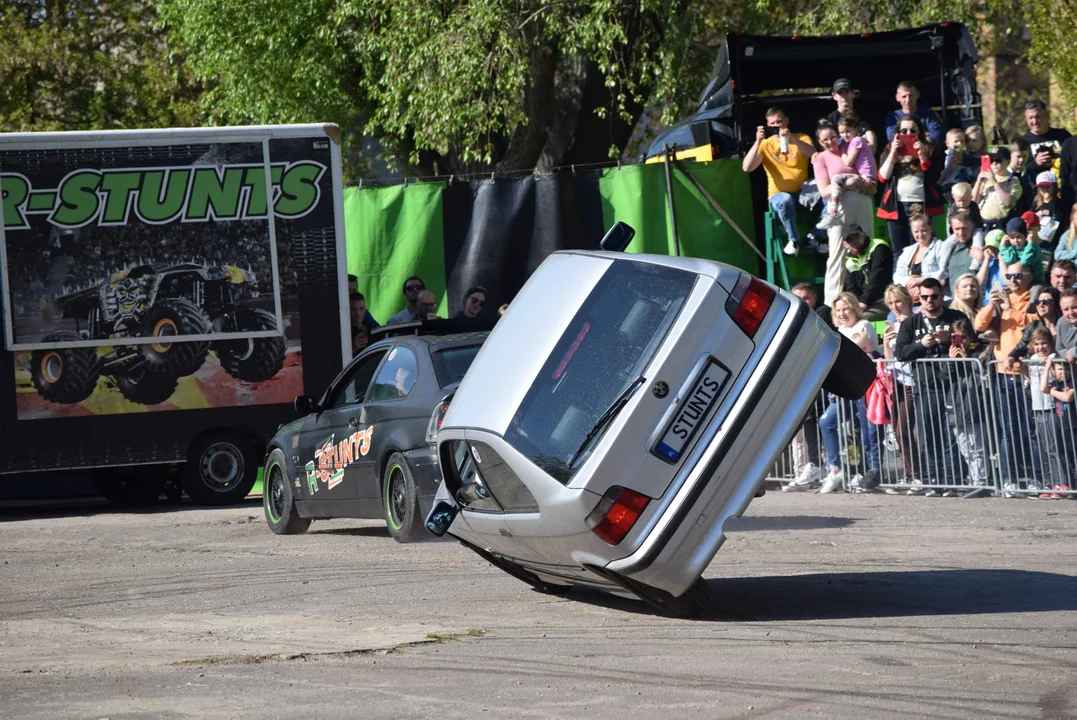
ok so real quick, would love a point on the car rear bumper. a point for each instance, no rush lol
(735, 464)
(423, 463)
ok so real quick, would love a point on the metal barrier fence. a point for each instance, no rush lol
(945, 427)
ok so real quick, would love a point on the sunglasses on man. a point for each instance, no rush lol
(475, 300)
(1014, 276)
(415, 288)
(932, 296)
(1044, 301)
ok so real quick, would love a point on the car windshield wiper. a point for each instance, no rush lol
(605, 417)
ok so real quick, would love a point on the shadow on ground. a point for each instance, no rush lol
(842, 596)
(785, 522)
(20, 510)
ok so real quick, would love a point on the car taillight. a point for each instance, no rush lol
(616, 513)
(436, 418)
(749, 303)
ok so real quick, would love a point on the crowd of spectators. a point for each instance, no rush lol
(995, 290)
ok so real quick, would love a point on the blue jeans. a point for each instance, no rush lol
(869, 433)
(1017, 436)
(784, 206)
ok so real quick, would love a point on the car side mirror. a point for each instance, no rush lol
(441, 517)
(617, 237)
(470, 493)
(305, 404)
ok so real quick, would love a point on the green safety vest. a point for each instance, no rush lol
(856, 264)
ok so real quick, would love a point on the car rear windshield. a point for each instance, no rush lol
(606, 347)
(451, 364)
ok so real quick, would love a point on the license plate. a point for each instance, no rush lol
(694, 409)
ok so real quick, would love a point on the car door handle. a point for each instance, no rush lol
(353, 422)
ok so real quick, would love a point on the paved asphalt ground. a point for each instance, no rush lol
(824, 607)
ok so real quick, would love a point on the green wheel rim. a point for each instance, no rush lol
(274, 493)
(396, 494)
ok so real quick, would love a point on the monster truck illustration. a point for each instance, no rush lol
(141, 301)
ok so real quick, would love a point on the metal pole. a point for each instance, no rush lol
(672, 209)
(719, 209)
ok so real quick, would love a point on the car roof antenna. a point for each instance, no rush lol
(617, 237)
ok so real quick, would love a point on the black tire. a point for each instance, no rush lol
(853, 372)
(400, 501)
(67, 375)
(171, 317)
(130, 487)
(278, 500)
(221, 468)
(522, 574)
(146, 388)
(253, 359)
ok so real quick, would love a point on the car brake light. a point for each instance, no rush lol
(436, 418)
(616, 513)
(749, 303)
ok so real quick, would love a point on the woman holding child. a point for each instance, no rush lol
(840, 176)
(911, 182)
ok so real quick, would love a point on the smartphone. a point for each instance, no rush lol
(996, 286)
(908, 144)
(770, 131)
(957, 338)
(985, 163)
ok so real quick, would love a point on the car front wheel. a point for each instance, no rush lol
(400, 501)
(277, 499)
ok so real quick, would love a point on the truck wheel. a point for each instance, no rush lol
(129, 487)
(401, 502)
(146, 388)
(852, 374)
(221, 468)
(171, 317)
(277, 499)
(64, 375)
(252, 359)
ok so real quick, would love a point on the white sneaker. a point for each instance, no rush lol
(808, 475)
(791, 248)
(812, 245)
(832, 483)
(830, 221)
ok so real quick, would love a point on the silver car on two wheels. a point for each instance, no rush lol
(623, 408)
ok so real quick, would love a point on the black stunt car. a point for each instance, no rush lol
(366, 448)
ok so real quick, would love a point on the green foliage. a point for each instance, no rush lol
(74, 65)
(447, 78)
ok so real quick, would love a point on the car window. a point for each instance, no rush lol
(464, 464)
(352, 389)
(451, 364)
(605, 348)
(397, 375)
(503, 484)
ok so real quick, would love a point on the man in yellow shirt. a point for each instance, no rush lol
(785, 158)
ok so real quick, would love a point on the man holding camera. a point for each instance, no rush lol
(1045, 142)
(1008, 314)
(923, 336)
(785, 158)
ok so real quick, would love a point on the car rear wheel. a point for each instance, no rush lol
(400, 501)
(221, 468)
(278, 500)
(852, 374)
